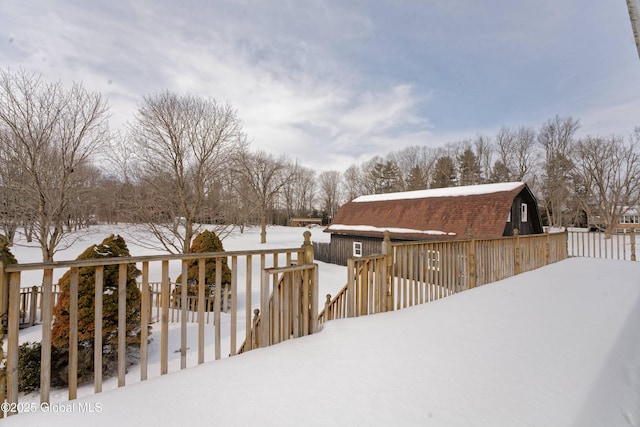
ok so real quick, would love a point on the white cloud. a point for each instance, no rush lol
(333, 83)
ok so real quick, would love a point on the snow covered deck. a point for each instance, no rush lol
(555, 346)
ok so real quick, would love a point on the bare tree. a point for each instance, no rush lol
(556, 140)
(49, 134)
(10, 200)
(353, 182)
(330, 191)
(484, 152)
(263, 177)
(523, 153)
(299, 193)
(505, 144)
(609, 168)
(181, 144)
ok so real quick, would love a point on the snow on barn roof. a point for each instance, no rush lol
(467, 190)
(480, 211)
(394, 230)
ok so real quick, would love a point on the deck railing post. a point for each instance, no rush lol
(387, 250)
(4, 313)
(312, 277)
(633, 244)
(351, 288)
(327, 309)
(472, 264)
(307, 248)
(4, 293)
(13, 323)
(516, 234)
(547, 248)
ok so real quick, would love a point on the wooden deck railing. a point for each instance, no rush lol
(291, 309)
(411, 273)
(31, 303)
(242, 265)
(334, 308)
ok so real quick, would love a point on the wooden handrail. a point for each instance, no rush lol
(268, 259)
(285, 328)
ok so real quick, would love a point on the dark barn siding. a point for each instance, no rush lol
(533, 224)
(342, 247)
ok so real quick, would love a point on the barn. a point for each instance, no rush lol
(477, 211)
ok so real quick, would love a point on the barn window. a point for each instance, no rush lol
(509, 217)
(357, 249)
(523, 212)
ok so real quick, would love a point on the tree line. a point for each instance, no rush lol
(184, 161)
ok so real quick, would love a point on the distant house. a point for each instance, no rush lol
(478, 211)
(304, 222)
(629, 222)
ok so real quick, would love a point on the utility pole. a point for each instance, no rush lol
(633, 6)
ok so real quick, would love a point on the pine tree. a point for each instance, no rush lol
(112, 246)
(207, 241)
(444, 173)
(416, 179)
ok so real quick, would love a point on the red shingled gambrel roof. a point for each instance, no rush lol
(478, 211)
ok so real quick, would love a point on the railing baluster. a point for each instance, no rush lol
(97, 337)
(73, 334)
(13, 324)
(145, 311)
(216, 307)
(164, 323)
(234, 305)
(122, 323)
(201, 301)
(248, 342)
(47, 318)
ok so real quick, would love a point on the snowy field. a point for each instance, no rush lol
(553, 347)
(137, 241)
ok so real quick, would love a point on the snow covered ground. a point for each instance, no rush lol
(553, 347)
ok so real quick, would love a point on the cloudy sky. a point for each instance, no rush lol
(334, 82)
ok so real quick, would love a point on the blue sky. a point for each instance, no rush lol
(333, 83)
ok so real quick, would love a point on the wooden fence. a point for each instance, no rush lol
(410, 273)
(31, 304)
(298, 261)
(600, 245)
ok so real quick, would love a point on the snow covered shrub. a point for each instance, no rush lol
(29, 367)
(112, 246)
(207, 241)
(6, 257)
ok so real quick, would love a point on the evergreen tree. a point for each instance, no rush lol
(112, 246)
(416, 179)
(6, 257)
(444, 173)
(469, 168)
(207, 241)
(500, 172)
